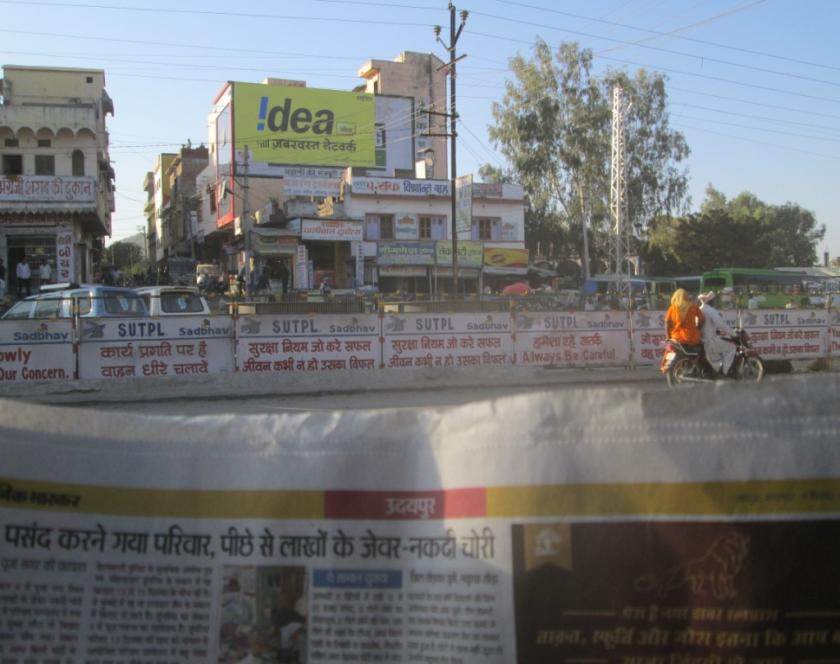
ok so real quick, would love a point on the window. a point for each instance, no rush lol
(44, 164)
(12, 164)
(432, 228)
(78, 163)
(487, 228)
(379, 226)
(44, 143)
(88, 79)
(48, 308)
(181, 303)
(12, 142)
(386, 227)
(123, 304)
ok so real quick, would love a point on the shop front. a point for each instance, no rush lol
(275, 251)
(405, 267)
(329, 251)
(470, 261)
(53, 243)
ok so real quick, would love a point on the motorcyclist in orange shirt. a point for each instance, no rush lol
(684, 319)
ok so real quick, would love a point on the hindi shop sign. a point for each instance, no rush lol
(470, 253)
(47, 189)
(588, 339)
(304, 126)
(36, 350)
(397, 187)
(451, 341)
(405, 253)
(834, 334)
(165, 346)
(331, 230)
(307, 344)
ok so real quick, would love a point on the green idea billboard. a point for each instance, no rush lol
(305, 126)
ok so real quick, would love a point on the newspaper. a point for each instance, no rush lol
(596, 526)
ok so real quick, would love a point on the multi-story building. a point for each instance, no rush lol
(56, 184)
(157, 186)
(180, 214)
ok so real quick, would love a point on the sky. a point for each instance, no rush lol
(754, 85)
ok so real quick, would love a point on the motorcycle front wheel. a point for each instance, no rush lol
(751, 369)
(681, 371)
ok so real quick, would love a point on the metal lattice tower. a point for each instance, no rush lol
(620, 234)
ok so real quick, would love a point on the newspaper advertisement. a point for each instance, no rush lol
(525, 529)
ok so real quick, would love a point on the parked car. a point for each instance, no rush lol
(173, 301)
(93, 301)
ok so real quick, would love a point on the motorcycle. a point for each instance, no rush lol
(688, 364)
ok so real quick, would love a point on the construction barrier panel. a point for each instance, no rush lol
(59, 349)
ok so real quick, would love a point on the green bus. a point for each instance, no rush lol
(772, 289)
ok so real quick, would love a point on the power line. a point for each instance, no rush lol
(208, 12)
(705, 42)
(700, 58)
(755, 117)
(754, 128)
(752, 140)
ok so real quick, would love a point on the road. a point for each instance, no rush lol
(440, 398)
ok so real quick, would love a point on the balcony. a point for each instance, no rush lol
(74, 118)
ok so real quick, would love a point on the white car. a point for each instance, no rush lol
(173, 301)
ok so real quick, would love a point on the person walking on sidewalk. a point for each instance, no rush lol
(24, 278)
(44, 273)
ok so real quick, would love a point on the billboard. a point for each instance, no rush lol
(304, 126)
(463, 206)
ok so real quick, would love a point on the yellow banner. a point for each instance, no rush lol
(304, 126)
(505, 257)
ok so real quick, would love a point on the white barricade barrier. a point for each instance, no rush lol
(578, 339)
(648, 336)
(308, 343)
(36, 350)
(166, 346)
(784, 334)
(447, 340)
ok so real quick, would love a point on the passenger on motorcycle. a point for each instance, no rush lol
(684, 319)
(719, 352)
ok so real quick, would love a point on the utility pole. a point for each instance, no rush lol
(621, 232)
(454, 34)
(246, 219)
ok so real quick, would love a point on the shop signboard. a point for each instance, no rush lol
(470, 253)
(590, 339)
(403, 271)
(463, 206)
(413, 341)
(304, 126)
(407, 227)
(406, 253)
(310, 181)
(358, 250)
(834, 334)
(382, 186)
(308, 344)
(269, 242)
(302, 280)
(331, 230)
(502, 257)
(64, 252)
(36, 350)
(163, 346)
(47, 189)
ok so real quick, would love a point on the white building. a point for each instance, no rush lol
(56, 184)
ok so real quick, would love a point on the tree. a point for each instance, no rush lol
(554, 129)
(741, 232)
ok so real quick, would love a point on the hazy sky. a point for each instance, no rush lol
(754, 84)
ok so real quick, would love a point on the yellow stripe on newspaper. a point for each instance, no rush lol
(758, 498)
(122, 501)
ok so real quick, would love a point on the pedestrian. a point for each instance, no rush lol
(283, 273)
(45, 273)
(24, 278)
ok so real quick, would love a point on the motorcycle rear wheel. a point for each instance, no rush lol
(751, 369)
(682, 369)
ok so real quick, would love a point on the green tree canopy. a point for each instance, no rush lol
(741, 232)
(553, 126)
